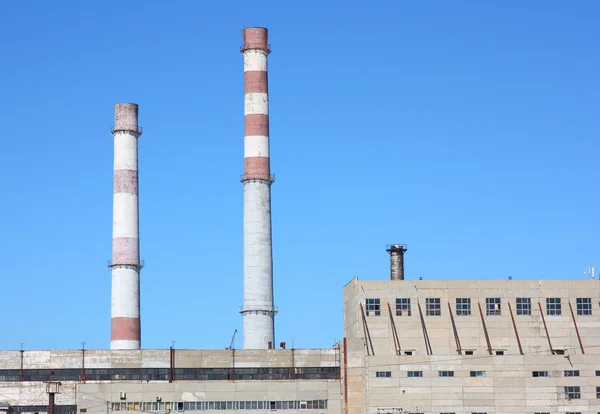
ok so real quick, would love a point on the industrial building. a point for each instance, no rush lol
(409, 346)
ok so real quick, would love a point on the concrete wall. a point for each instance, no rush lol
(508, 385)
(94, 395)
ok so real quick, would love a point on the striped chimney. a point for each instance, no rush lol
(125, 263)
(258, 310)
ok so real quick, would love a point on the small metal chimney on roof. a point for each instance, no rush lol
(396, 252)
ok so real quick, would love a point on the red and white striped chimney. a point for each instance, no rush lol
(258, 310)
(125, 263)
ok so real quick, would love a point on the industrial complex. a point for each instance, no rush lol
(409, 346)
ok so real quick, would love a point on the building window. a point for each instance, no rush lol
(499, 352)
(477, 373)
(597, 392)
(478, 413)
(584, 306)
(463, 306)
(493, 306)
(598, 373)
(415, 374)
(446, 373)
(403, 307)
(408, 353)
(524, 306)
(571, 373)
(469, 352)
(573, 393)
(383, 374)
(373, 307)
(553, 306)
(541, 413)
(433, 307)
(539, 373)
(207, 406)
(558, 352)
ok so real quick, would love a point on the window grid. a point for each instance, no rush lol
(572, 373)
(446, 373)
(373, 307)
(162, 374)
(553, 307)
(219, 405)
(477, 374)
(415, 374)
(383, 374)
(584, 306)
(463, 306)
(493, 306)
(403, 307)
(433, 307)
(573, 393)
(524, 306)
(539, 373)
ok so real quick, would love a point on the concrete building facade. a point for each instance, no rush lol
(478, 346)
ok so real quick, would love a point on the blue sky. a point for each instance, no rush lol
(466, 129)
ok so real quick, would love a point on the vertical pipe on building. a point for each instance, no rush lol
(546, 329)
(485, 331)
(576, 328)
(21, 367)
(258, 309)
(512, 317)
(455, 330)
(345, 376)
(125, 263)
(396, 252)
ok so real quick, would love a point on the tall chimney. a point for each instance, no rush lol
(396, 252)
(258, 310)
(125, 263)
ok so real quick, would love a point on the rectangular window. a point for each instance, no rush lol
(383, 374)
(499, 352)
(433, 307)
(373, 307)
(598, 373)
(571, 373)
(469, 352)
(463, 306)
(493, 306)
(539, 373)
(477, 373)
(415, 374)
(541, 413)
(553, 307)
(584, 306)
(403, 307)
(446, 373)
(408, 353)
(597, 392)
(573, 393)
(558, 352)
(524, 306)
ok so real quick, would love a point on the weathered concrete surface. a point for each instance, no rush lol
(508, 385)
